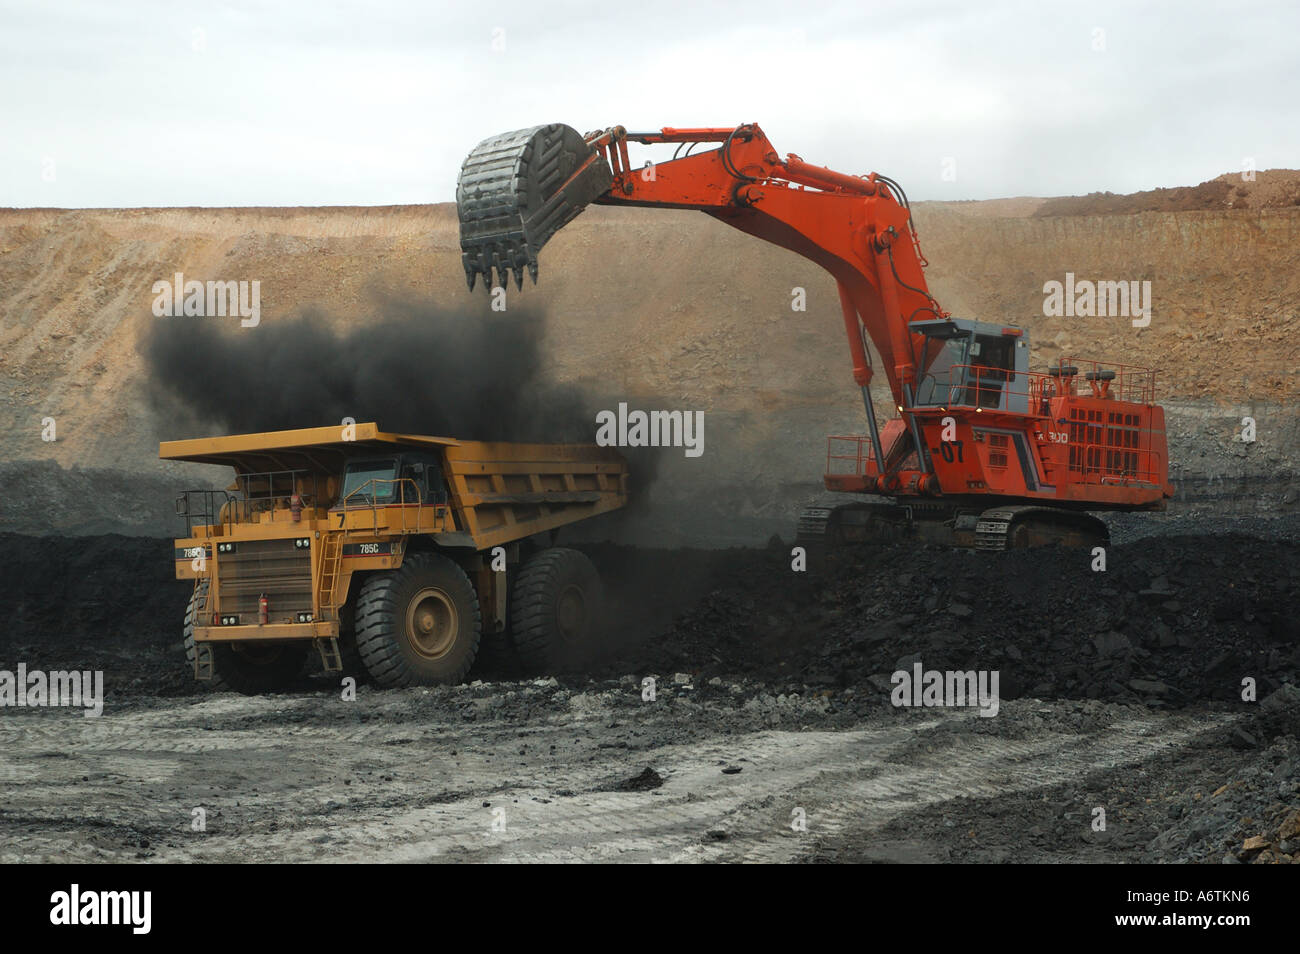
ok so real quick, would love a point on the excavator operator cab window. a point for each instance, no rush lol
(991, 366)
(964, 366)
(935, 383)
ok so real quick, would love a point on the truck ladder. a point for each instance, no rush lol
(327, 599)
(330, 564)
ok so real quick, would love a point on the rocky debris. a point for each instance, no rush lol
(105, 588)
(644, 782)
(1173, 621)
(1252, 818)
(1201, 800)
(1286, 699)
(108, 603)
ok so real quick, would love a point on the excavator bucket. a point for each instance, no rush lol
(518, 189)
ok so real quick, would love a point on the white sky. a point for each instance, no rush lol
(178, 103)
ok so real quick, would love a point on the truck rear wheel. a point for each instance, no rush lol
(249, 667)
(555, 608)
(418, 625)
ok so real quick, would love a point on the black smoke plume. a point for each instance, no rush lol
(416, 368)
(413, 368)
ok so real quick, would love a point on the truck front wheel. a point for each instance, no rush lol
(248, 667)
(418, 625)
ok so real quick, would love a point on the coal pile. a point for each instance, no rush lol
(1172, 621)
(104, 602)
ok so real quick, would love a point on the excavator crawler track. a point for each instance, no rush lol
(994, 530)
(1008, 528)
(859, 523)
(518, 189)
(813, 523)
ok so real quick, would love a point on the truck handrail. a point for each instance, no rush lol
(374, 502)
(206, 511)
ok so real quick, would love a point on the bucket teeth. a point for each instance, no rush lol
(518, 189)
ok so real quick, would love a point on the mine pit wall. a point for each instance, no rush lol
(1214, 469)
(667, 310)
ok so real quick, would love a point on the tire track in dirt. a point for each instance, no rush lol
(982, 766)
(408, 785)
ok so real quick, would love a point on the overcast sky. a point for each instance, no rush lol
(176, 103)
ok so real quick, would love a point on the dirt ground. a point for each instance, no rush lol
(534, 771)
(770, 737)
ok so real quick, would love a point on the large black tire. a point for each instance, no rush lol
(556, 609)
(199, 595)
(352, 663)
(418, 625)
(249, 668)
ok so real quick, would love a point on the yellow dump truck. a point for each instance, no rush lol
(392, 555)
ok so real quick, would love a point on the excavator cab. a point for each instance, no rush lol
(972, 364)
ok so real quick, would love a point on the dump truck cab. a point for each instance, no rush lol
(401, 478)
(390, 554)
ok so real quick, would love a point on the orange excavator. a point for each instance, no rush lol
(983, 451)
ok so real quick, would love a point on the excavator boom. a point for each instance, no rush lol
(516, 190)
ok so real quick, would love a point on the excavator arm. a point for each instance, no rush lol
(516, 190)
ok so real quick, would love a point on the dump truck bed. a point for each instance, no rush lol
(506, 490)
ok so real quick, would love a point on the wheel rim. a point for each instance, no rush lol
(571, 613)
(432, 623)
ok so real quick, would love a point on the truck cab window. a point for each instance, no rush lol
(413, 486)
(369, 481)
